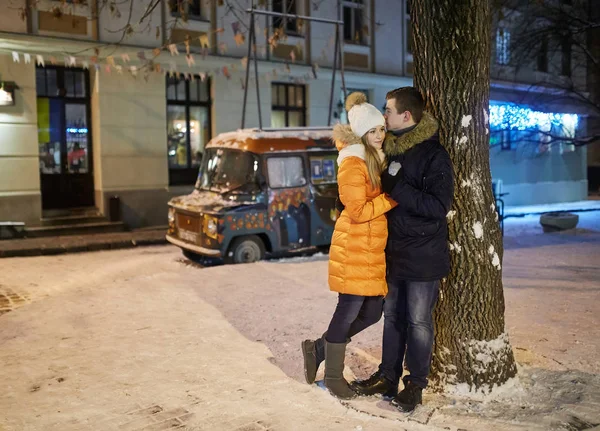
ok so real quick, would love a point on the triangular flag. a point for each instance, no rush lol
(239, 39)
(85, 65)
(15, 56)
(203, 76)
(53, 60)
(133, 70)
(110, 60)
(236, 27)
(40, 60)
(156, 52)
(190, 60)
(293, 56)
(141, 55)
(27, 58)
(173, 49)
(222, 48)
(107, 68)
(119, 69)
(244, 62)
(157, 68)
(72, 61)
(204, 42)
(125, 58)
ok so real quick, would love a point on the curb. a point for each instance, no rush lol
(525, 214)
(78, 248)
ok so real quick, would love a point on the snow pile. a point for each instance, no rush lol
(198, 199)
(242, 135)
(478, 230)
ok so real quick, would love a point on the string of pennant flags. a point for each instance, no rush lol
(149, 64)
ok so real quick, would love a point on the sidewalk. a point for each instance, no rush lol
(79, 243)
(524, 210)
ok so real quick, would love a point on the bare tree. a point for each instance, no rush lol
(555, 48)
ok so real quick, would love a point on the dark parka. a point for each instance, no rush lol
(420, 179)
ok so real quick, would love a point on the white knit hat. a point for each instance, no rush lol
(362, 115)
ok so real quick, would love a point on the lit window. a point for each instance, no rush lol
(288, 107)
(188, 127)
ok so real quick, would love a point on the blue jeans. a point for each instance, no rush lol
(408, 329)
(352, 315)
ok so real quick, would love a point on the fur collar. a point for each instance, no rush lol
(395, 145)
(354, 150)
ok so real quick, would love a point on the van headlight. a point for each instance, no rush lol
(171, 217)
(210, 226)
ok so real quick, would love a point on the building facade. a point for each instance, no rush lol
(87, 115)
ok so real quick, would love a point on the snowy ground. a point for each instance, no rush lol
(139, 338)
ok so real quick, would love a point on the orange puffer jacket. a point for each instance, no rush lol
(357, 253)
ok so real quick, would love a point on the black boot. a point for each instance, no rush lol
(408, 398)
(335, 354)
(314, 354)
(376, 384)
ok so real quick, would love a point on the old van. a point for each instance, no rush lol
(259, 191)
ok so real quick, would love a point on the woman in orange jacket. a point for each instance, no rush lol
(357, 253)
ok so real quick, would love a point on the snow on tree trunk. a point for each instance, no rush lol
(452, 70)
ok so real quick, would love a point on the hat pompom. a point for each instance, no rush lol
(356, 98)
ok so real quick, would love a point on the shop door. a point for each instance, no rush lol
(64, 137)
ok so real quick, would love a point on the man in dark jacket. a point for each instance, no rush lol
(419, 177)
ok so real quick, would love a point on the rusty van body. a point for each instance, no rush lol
(259, 191)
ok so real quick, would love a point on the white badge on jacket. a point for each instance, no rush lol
(394, 168)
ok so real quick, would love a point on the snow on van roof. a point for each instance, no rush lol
(304, 133)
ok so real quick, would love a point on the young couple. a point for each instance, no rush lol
(391, 265)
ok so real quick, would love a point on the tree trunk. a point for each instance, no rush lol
(452, 71)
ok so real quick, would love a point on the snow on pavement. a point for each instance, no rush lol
(104, 334)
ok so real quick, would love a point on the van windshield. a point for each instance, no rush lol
(228, 171)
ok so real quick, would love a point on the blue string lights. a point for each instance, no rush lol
(515, 117)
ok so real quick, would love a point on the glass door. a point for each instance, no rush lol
(64, 138)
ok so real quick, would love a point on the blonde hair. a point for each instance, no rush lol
(375, 165)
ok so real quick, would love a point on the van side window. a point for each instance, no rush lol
(323, 169)
(285, 172)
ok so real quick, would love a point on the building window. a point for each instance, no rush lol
(288, 105)
(191, 9)
(188, 127)
(408, 33)
(289, 25)
(354, 22)
(542, 59)
(502, 46)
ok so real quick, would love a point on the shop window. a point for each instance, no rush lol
(285, 172)
(188, 127)
(288, 105)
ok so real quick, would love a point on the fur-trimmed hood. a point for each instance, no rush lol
(344, 136)
(347, 143)
(424, 130)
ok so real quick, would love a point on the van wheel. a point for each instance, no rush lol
(246, 249)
